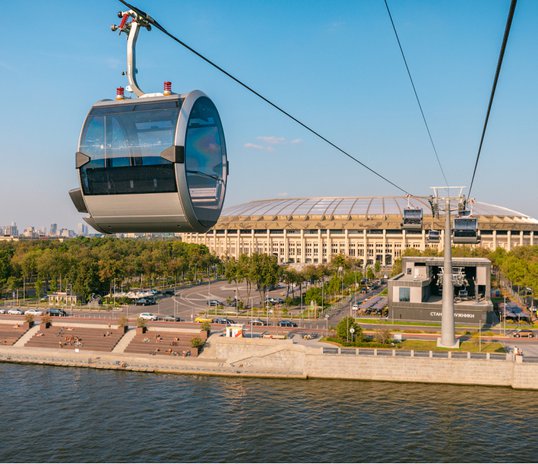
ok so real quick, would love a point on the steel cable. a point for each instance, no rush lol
(153, 22)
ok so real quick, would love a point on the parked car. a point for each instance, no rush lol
(56, 312)
(148, 316)
(169, 292)
(355, 307)
(222, 320)
(258, 322)
(214, 303)
(523, 333)
(15, 312)
(34, 312)
(171, 319)
(145, 302)
(286, 323)
(274, 300)
(202, 319)
(3, 311)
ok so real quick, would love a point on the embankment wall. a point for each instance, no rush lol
(284, 359)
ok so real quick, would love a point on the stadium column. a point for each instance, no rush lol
(237, 243)
(303, 247)
(286, 247)
(320, 247)
(384, 255)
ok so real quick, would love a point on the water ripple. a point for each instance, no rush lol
(82, 415)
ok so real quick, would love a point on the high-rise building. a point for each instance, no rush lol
(53, 230)
(82, 229)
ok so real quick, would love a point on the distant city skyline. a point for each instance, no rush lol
(334, 65)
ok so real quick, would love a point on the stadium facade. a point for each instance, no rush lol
(314, 230)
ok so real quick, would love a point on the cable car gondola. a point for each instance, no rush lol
(412, 219)
(156, 163)
(434, 236)
(465, 231)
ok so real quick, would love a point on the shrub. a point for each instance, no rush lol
(46, 319)
(206, 326)
(122, 322)
(29, 318)
(383, 336)
(140, 322)
(196, 342)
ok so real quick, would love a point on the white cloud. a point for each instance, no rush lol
(271, 139)
(269, 142)
(255, 146)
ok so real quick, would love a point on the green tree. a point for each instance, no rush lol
(313, 294)
(343, 330)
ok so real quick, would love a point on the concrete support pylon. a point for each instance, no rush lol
(448, 338)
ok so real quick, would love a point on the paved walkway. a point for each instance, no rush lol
(124, 341)
(26, 337)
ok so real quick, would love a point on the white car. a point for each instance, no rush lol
(355, 307)
(34, 312)
(16, 312)
(148, 316)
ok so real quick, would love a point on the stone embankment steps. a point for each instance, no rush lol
(124, 341)
(26, 337)
(10, 333)
(87, 338)
(167, 342)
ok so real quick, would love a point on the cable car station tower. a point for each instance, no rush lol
(447, 199)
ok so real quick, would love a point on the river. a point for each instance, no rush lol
(82, 415)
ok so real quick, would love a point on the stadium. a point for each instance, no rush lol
(313, 230)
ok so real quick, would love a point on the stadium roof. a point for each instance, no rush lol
(353, 206)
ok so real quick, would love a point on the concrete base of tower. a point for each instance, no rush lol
(442, 345)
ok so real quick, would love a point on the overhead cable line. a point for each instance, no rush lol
(415, 92)
(492, 95)
(153, 22)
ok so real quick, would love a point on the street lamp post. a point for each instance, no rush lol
(504, 317)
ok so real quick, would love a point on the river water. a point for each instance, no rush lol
(81, 415)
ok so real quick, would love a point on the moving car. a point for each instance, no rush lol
(56, 312)
(34, 312)
(222, 320)
(355, 307)
(145, 302)
(171, 319)
(202, 319)
(15, 312)
(148, 316)
(214, 303)
(286, 323)
(523, 333)
(258, 322)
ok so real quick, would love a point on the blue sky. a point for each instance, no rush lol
(333, 64)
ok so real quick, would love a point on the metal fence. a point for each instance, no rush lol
(422, 354)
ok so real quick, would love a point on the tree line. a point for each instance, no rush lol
(86, 266)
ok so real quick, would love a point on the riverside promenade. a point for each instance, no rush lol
(105, 347)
